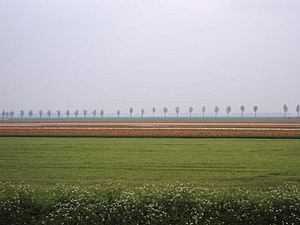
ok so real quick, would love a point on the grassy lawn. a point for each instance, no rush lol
(249, 163)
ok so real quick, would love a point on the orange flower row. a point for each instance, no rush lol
(155, 132)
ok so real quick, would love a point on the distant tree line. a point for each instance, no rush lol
(165, 110)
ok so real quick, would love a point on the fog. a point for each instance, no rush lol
(116, 54)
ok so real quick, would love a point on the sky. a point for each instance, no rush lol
(116, 54)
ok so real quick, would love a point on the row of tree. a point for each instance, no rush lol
(165, 111)
(49, 113)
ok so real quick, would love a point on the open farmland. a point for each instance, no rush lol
(249, 177)
(250, 163)
(173, 129)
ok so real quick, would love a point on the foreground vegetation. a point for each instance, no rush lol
(213, 163)
(178, 205)
(125, 181)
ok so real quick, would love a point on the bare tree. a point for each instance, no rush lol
(285, 110)
(22, 113)
(85, 113)
(40, 113)
(68, 113)
(94, 113)
(255, 108)
(118, 113)
(102, 113)
(177, 110)
(7, 114)
(76, 113)
(217, 109)
(191, 110)
(228, 110)
(298, 109)
(153, 111)
(12, 113)
(203, 110)
(48, 113)
(242, 108)
(58, 113)
(30, 113)
(142, 113)
(3, 114)
(130, 111)
(165, 111)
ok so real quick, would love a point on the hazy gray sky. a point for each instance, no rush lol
(114, 54)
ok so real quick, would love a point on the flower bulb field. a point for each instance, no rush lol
(171, 129)
(149, 173)
(253, 155)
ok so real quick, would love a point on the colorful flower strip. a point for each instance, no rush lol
(155, 132)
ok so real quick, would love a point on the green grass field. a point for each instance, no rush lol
(215, 163)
